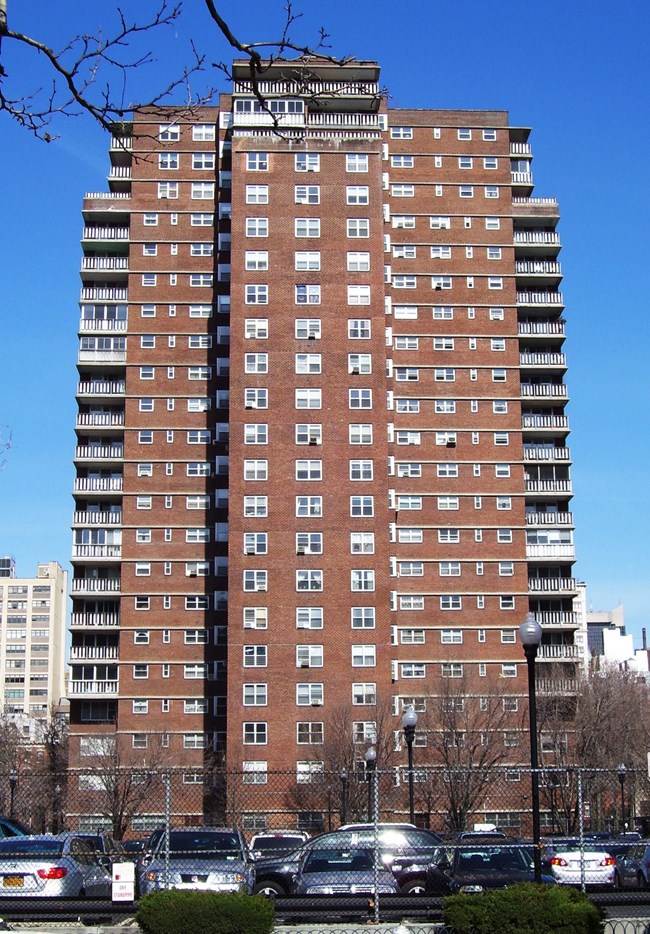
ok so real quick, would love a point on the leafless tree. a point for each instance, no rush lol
(92, 73)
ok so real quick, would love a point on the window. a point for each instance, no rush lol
(362, 506)
(307, 162)
(256, 328)
(307, 227)
(257, 194)
(441, 282)
(308, 328)
(309, 656)
(506, 603)
(410, 569)
(307, 194)
(255, 734)
(309, 580)
(309, 617)
(307, 295)
(309, 434)
(256, 434)
(257, 295)
(364, 693)
(255, 260)
(466, 191)
(451, 636)
(309, 695)
(508, 671)
(256, 363)
(360, 398)
(360, 434)
(357, 194)
(449, 569)
(356, 162)
(168, 190)
(168, 160)
(200, 311)
(255, 543)
(406, 374)
(404, 251)
(401, 132)
(309, 470)
(256, 470)
(167, 133)
(362, 580)
(201, 279)
(201, 190)
(361, 470)
(405, 282)
(504, 502)
(464, 133)
(506, 569)
(451, 670)
(444, 375)
(255, 656)
(257, 226)
(257, 161)
(403, 221)
(413, 670)
(198, 436)
(254, 695)
(309, 733)
(309, 506)
(201, 220)
(495, 282)
(358, 228)
(465, 162)
(451, 602)
(501, 438)
(308, 398)
(307, 261)
(402, 162)
(363, 656)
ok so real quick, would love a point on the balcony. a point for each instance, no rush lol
(546, 454)
(556, 685)
(101, 452)
(95, 620)
(559, 653)
(553, 361)
(544, 390)
(120, 171)
(96, 551)
(520, 149)
(547, 486)
(104, 294)
(551, 552)
(537, 268)
(541, 328)
(95, 325)
(106, 233)
(100, 420)
(557, 618)
(545, 421)
(108, 267)
(98, 485)
(554, 585)
(93, 652)
(121, 143)
(101, 356)
(101, 388)
(540, 298)
(537, 519)
(272, 121)
(320, 89)
(522, 178)
(86, 518)
(97, 688)
(530, 242)
(84, 585)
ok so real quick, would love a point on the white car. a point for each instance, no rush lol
(567, 862)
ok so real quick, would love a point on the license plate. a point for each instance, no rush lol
(12, 882)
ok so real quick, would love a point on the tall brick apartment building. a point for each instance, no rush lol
(322, 461)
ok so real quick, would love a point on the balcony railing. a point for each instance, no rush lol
(98, 485)
(545, 390)
(268, 120)
(540, 298)
(120, 171)
(546, 454)
(84, 517)
(549, 518)
(100, 419)
(96, 585)
(90, 652)
(101, 356)
(542, 359)
(564, 552)
(545, 421)
(557, 618)
(105, 263)
(95, 620)
(102, 452)
(325, 120)
(106, 233)
(122, 142)
(101, 388)
(541, 237)
(106, 196)
(538, 268)
(337, 89)
(520, 149)
(541, 327)
(552, 584)
(96, 551)
(556, 685)
(521, 178)
(101, 324)
(84, 688)
(107, 294)
(555, 653)
(547, 486)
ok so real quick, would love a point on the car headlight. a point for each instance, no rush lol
(471, 889)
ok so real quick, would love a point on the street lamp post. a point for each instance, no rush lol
(344, 796)
(409, 722)
(530, 633)
(13, 781)
(622, 775)
(371, 764)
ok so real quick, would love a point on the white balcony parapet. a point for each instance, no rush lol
(100, 419)
(122, 142)
(100, 452)
(545, 421)
(97, 324)
(535, 201)
(542, 390)
(344, 120)
(96, 585)
(537, 236)
(555, 653)
(521, 178)
(101, 356)
(106, 294)
(268, 120)
(84, 688)
(313, 87)
(96, 551)
(106, 233)
(95, 620)
(557, 618)
(546, 454)
(98, 485)
(107, 263)
(541, 327)
(106, 195)
(552, 584)
(566, 552)
(548, 486)
(101, 388)
(312, 133)
(520, 149)
(540, 298)
(120, 171)
(84, 517)
(95, 652)
(549, 518)
(557, 685)
(542, 359)
(537, 267)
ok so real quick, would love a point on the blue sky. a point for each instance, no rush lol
(576, 72)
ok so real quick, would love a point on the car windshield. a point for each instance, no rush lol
(27, 848)
(203, 844)
(273, 844)
(339, 860)
(494, 859)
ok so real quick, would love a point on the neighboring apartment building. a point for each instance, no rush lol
(32, 644)
(322, 444)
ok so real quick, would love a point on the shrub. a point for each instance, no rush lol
(525, 908)
(174, 912)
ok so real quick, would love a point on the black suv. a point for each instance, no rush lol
(405, 850)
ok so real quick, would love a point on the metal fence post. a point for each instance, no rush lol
(168, 813)
(375, 808)
(581, 831)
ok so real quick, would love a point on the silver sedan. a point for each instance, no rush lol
(52, 866)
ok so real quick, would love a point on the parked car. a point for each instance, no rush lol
(276, 843)
(481, 865)
(52, 866)
(213, 859)
(565, 859)
(341, 871)
(104, 844)
(134, 845)
(10, 827)
(405, 850)
(633, 866)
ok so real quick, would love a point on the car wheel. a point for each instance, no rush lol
(269, 889)
(414, 887)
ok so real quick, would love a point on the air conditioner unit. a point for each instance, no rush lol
(250, 551)
(317, 703)
(261, 588)
(313, 441)
(300, 551)
(303, 665)
(311, 337)
(355, 371)
(451, 444)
